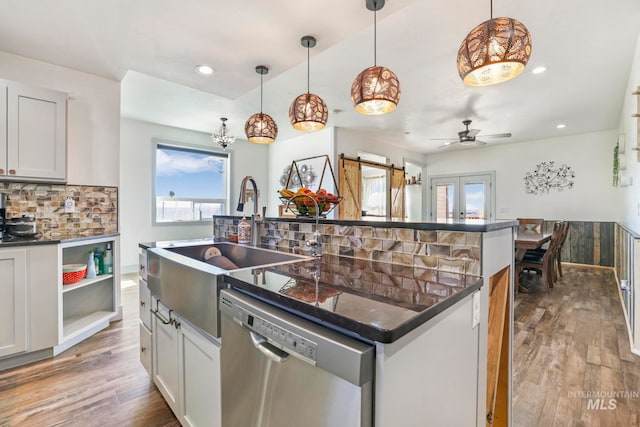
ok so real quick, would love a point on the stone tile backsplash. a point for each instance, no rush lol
(96, 208)
(450, 251)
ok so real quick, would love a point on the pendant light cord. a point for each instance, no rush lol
(375, 37)
(491, 10)
(261, 93)
(308, 49)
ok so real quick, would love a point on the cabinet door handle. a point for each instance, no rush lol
(12, 171)
(142, 303)
(2, 171)
(143, 349)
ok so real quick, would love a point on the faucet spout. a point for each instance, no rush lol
(241, 202)
(243, 194)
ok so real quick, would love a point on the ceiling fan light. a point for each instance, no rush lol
(260, 128)
(376, 90)
(493, 52)
(308, 112)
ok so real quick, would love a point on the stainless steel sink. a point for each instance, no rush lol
(242, 256)
(179, 277)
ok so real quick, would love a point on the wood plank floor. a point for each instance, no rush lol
(571, 342)
(99, 382)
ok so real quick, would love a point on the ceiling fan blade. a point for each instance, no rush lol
(448, 144)
(472, 133)
(443, 139)
(498, 135)
(480, 142)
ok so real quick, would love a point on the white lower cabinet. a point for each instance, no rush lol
(186, 369)
(200, 379)
(13, 301)
(145, 348)
(28, 302)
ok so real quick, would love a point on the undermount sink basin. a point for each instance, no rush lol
(242, 256)
(179, 277)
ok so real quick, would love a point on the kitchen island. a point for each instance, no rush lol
(427, 322)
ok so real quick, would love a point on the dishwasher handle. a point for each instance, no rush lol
(269, 350)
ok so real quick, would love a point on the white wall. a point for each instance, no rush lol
(93, 119)
(136, 184)
(593, 198)
(282, 153)
(631, 130)
(351, 142)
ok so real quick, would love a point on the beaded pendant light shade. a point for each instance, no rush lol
(376, 90)
(222, 137)
(308, 112)
(260, 128)
(493, 52)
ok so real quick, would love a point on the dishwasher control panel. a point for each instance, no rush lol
(287, 340)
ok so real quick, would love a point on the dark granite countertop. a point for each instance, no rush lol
(457, 225)
(369, 300)
(40, 239)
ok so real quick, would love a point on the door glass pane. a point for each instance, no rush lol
(474, 200)
(374, 193)
(445, 199)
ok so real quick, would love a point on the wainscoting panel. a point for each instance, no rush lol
(588, 242)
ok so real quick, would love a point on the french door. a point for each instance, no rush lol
(462, 197)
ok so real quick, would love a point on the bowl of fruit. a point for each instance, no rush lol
(305, 202)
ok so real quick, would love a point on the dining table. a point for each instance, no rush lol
(525, 240)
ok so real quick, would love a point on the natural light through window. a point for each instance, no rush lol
(190, 184)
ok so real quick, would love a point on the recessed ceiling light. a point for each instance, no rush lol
(205, 70)
(561, 126)
(539, 70)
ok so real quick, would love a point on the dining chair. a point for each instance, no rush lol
(563, 238)
(546, 262)
(532, 225)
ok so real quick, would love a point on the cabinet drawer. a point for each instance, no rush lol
(142, 272)
(145, 348)
(145, 303)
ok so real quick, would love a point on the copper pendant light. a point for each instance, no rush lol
(260, 128)
(493, 52)
(308, 112)
(376, 90)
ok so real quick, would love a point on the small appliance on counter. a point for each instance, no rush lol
(3, 216)
(24, 226)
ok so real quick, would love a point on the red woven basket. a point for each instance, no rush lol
(74, 273)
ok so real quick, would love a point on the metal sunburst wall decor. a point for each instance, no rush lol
(547, 176)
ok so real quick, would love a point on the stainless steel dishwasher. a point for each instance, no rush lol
(279, 370)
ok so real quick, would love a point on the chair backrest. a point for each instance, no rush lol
(556, 238)
(531, 225)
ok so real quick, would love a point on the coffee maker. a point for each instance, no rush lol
(3, 216)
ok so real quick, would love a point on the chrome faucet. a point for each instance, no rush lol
(243, 199)
(315, 244)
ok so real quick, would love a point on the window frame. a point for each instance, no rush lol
(159, 142)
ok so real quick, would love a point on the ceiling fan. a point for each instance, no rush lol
(468, 136)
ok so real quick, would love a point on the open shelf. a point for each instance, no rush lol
(85, 282)
(76, 325)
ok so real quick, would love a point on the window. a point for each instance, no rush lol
(462, 197)
(190, 184)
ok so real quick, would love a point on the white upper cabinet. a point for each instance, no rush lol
(33, 133)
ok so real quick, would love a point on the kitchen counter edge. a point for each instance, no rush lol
(52, 241)
(348, 326)
(469, 226)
